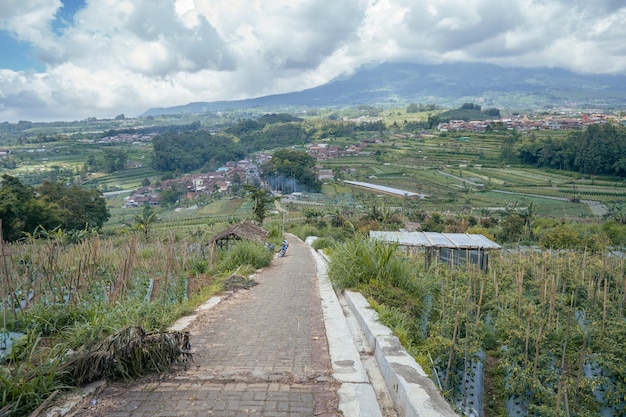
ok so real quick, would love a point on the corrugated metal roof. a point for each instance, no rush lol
(436, 240)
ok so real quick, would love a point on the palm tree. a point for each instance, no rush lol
(144, 220)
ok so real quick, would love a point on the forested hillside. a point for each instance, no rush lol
(200, 149)
(597, 150)
(191, 151)
(25, 210)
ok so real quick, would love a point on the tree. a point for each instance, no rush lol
(171, 196)
(290, 171)
(562, 237)
(493, 112)
(144, 221)
(471, 106)
(412, 108)
(262, 198)
(512, 228)
(190, 151)
(434, 223)
(23, 212)
(81, 208)
(114, 160)
(433, 121)
(507, 145)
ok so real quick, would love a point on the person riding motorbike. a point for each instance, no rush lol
(283, 248)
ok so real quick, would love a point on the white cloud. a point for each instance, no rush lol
(119, 56)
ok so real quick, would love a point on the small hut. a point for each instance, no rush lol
(453, 248)
(246, 230)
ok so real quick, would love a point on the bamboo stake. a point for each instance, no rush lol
(480, 301)
(604, 303)
(581, 362)
(456, 326)
(558, 398)
(562, 381)
(566, 399)
(552, 299)
(519, 281)
(537, 349)
(530, 314)
(443, 298)
(495, 284)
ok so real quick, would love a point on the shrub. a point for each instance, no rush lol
(358, 261)
(305, 230)
(323, 243)
(562, 237)
(245, 253)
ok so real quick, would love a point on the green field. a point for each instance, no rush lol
(460, 172)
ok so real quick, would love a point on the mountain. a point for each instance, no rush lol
(445, 84)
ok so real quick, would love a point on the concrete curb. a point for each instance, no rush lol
(183, 322)
(356, 395)
(413, 392)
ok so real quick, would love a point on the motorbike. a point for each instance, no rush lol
(283, 249)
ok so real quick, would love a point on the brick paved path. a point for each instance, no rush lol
(261, 352)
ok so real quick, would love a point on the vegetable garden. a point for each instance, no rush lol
(540, 334)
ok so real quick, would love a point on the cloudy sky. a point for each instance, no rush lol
(73, 59)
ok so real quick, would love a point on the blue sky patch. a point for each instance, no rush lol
(65, 15)
(19, 55)
(16, 55)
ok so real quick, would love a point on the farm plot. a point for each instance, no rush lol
(127, 179)
(517, 177)
(222, 207)
(546, 207)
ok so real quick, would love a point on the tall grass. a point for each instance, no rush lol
(393, 282)
(244, 253)
(68, 296)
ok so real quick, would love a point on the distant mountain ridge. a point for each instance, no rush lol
(445, 84)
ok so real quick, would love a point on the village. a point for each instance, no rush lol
(247, 171)
(521, 122)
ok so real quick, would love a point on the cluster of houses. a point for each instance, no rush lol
(523, 122)
(135, 138)
(324, 151)
(243, 171)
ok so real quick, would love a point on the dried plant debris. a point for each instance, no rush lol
(129, 354)
(238, 282)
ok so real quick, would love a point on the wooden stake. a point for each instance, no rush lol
(456, 326)
(530, 314)
(606, 290)
(537, 348)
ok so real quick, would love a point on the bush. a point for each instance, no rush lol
(245, 253)
(359, 261)
(562, 237)
(323, 243)
(305, 230)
